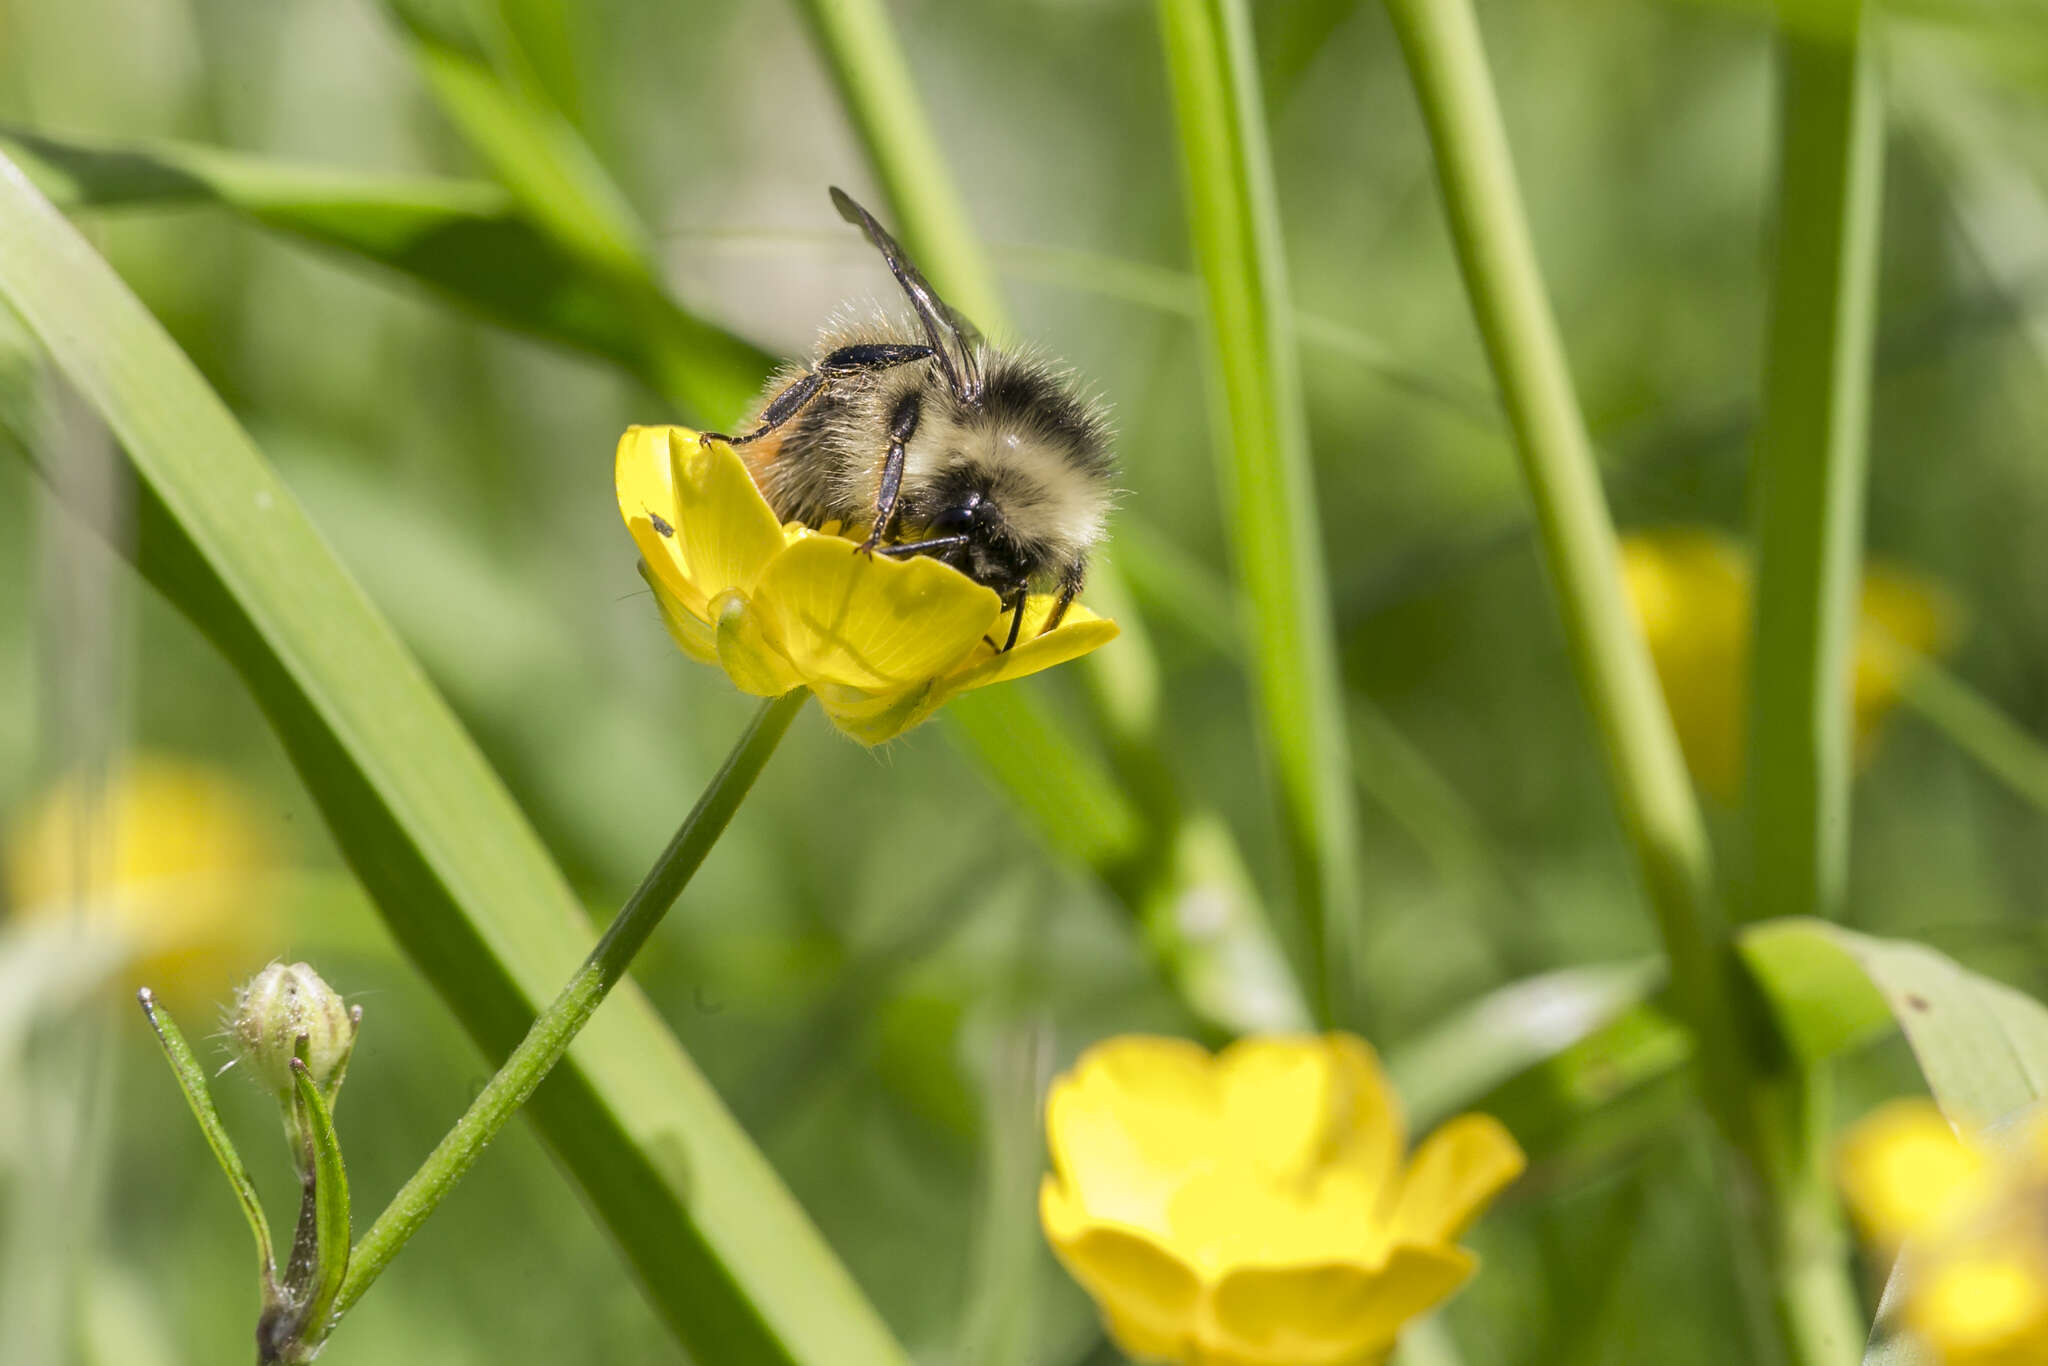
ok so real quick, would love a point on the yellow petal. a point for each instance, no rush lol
(695, 513)
(1903, 1172)
(1335, 1312)
(1452, 1176)
(1149, 1297)
(748, 657)
(692, 635)
(1276, 1103)
(1368, 1129)
(869, 622)
(1080, 632)
(1126, 1125)
(874, 718)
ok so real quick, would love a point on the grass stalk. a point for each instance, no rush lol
(1441, 42)
(1263, 449)
(1808, 506)
(1809, 474)
(556, 1027)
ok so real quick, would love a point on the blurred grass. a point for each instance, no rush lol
(842, 989)
(1808, 477)
(1261, 427)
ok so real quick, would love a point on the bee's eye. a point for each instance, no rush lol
(962, 517)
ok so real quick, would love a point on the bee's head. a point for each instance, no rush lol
(968, 502)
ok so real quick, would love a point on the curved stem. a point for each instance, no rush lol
(558, 1025)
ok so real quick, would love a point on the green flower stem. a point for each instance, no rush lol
(1261, 432)
(558, 1025)
(1440, 39)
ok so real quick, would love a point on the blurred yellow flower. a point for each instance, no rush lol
(1251, 1208)
(1972, 1218)
(170, 854)
(883, 642)
(1691, 592)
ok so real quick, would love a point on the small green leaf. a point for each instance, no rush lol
(1822, 1000)
(327, 1193)
(192, 1081)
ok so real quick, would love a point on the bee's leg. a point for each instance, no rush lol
(1016, 606)
(1070, 588)
(901, 427)
(920, 547)
(780, 409)
(847, 360)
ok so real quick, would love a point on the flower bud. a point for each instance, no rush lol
(278, 1007)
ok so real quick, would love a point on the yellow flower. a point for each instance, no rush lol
(1251, 1208)
(170, 854)
(883, 642)
(1971, 1215)
(1691, 591)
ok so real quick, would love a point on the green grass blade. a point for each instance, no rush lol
(1810, 465)
(1262, 438)
(722, 1251)
(465, 240)
(192, 1081)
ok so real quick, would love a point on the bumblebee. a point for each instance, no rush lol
(937, 443)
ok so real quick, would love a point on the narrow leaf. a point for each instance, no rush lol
(465, 240)
(1810, 463)
(1262, 449)
(192, 1081)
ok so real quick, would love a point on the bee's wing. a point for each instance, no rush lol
(954, 340)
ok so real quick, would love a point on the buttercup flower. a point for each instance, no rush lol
(1971, 1215)
(1691, 591)
(883, 642)
(171, 854)
(1252, 1208)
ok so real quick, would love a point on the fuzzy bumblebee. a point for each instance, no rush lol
(987, 459)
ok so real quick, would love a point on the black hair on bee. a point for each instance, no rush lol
(986, 458)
